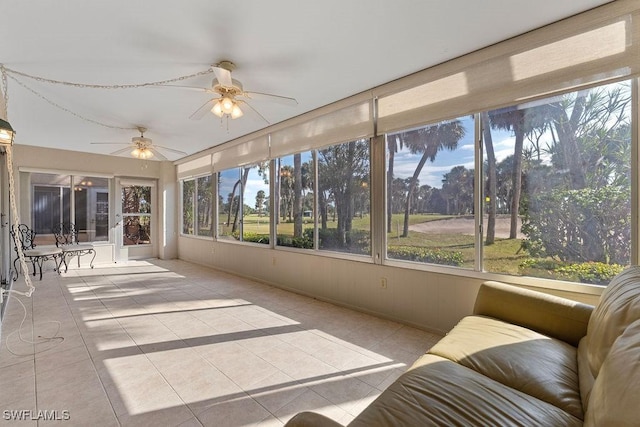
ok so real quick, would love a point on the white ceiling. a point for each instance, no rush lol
(317, 52)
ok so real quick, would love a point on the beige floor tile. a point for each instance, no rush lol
(20, 380)
(165, 416)
(83, 408)
(276, 391)
(197, 383)
(282, 355)
(56, 360)
(193, 422)
(144, 345)
(310, 401)
(310, 370)
(242, 411)
(345, 392)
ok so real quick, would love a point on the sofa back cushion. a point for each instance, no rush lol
(614, 396)
(584, 374)
(619, 306)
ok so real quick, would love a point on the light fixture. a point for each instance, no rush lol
(142, 153)
(6, 133)
(227, 106)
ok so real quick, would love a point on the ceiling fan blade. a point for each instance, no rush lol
(285, 100)
(223, 76)
(120, 151)
(255, 111)
(158, 154)
(192, 88)
(110, 143)
(204, 109)
(171, 149)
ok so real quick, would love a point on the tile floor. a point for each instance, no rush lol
(169, 343)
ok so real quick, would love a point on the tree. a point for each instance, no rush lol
(580, 211)
(491, 178)
(343, 169)
(297, 195)
(260, 199)
(513, 119)
(428, 141)
(394, 143)
(457, 185)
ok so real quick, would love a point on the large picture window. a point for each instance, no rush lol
(63, 199)
(229, 186)
(558, 186)
(243, 204)
(296, 194)
(344, 222)
(197, 206)
(430, 194)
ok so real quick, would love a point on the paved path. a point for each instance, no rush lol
(465, 225)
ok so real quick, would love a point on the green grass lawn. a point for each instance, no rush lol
(501, 257)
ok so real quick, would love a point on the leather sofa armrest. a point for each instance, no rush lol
(311, 419)
(550, 315)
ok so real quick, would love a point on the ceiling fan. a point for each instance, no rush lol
(141, 147)
(231, 97)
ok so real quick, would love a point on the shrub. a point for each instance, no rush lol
(597, 273)
(295, 242)
(254, 238)
(419, 254)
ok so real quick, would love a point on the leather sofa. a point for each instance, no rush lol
(524, 358)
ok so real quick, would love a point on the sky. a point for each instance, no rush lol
(404, 164)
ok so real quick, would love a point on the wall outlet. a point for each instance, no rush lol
(383, 282)
(273, 261)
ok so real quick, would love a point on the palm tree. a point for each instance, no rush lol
(491, 178)
(513, 120)
(428, 141)
(394, 143)
(297, 195)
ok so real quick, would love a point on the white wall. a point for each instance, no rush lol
(63, 161)
(411, 296)
(431, 301)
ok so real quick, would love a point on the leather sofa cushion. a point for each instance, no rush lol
(614, 397)
(618, 307)
(438, 392)
(584, 374)
(543, 367)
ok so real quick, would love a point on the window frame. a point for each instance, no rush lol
(194, 201)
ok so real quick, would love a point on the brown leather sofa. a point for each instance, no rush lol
(524, 358)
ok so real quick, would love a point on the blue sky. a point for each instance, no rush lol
(404, 164)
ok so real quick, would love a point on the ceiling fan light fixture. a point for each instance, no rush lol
(227, 105)
(217, 109)
(236, 112)
(6, 133)
(142, 153)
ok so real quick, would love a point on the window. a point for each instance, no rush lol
(229, 203)
(136, 215)
(87, 206)
(561, 203)
(247, 187)
(204, 206)
(197, 206)
(430, 194)
(255, 196)
(188, 207)
(344, 221)
(296, 195)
